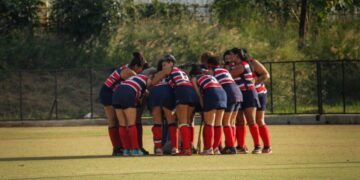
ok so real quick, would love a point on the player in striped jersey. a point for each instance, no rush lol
(234, 97)
(185, 100)
(261, 74)
(213, 102)
(161, 101)
(125, 101)
(106, 93)
(244, 78)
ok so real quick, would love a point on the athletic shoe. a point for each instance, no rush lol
(185, 152)
(208, 152)
(243, 150)
(229, 150)
(158, 152)
(267, 150)
(257, 150)
(117, 151)
(174, 151)
(193, 149)
(217, 151)
(145, 152)
(137, 152)
(126, 152)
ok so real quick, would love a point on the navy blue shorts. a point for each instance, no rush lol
(124, 97)
(262, 101)
(233, 106)
(162, 96)
(185, 95)
(214, 98)
(250, 99)
(106, 96)
(233, 93)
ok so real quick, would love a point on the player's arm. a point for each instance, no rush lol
(160, 75)
(262, 72)
(237, 71)
(197, 90)
(148, 83)
(126, 73)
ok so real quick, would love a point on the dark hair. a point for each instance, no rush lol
(137, 60)
(241, 52)
(146, 66)
(195, 70)
(213, 61)
(227, 52)
(170, 58)
(159, 64)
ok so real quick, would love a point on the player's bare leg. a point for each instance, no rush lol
(182, 113)
(264, 131)
(157, 130)
(250, 114)
(131, 114)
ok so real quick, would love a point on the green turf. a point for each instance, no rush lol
(300, 152)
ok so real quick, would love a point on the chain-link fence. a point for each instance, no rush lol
(296, 87)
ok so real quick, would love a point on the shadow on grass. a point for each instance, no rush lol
(54, 158)
(45, 158)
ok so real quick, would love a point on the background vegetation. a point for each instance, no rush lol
(95, 34)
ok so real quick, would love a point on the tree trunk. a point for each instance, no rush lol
(302, 25)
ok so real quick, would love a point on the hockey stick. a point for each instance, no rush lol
(198, 147)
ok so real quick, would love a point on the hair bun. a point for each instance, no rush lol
(137, 55)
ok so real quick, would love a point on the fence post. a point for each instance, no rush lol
(294, 87)
(319, 87)
(271, 88)
(56, 94)
(20, 95)
(91, 95)
(343, 86)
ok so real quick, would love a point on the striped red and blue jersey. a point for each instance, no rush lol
(115, 77)
(207, 81)
(223, 76)
(137, 82)
(164, 81)
(179, 77)
(245, 80)
(260, 87)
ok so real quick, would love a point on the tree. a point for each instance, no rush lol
(18, 14)
(302, 24)
(83, 19)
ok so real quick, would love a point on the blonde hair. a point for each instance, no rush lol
(205, 56)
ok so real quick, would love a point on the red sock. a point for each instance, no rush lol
(234, 134)
(241, 135)
(265, 135)
(139, 134)
(208, 136)
(229, 137)
(157, 135)
(173, 130)
(185, 135)
(133, 137)
(114, 137)
(192, 133)
(124, 137)
(217, 136)
(254, 130)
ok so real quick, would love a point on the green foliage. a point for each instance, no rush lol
(83, 19)
(18, 14)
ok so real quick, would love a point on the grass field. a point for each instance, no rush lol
(300, 152)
